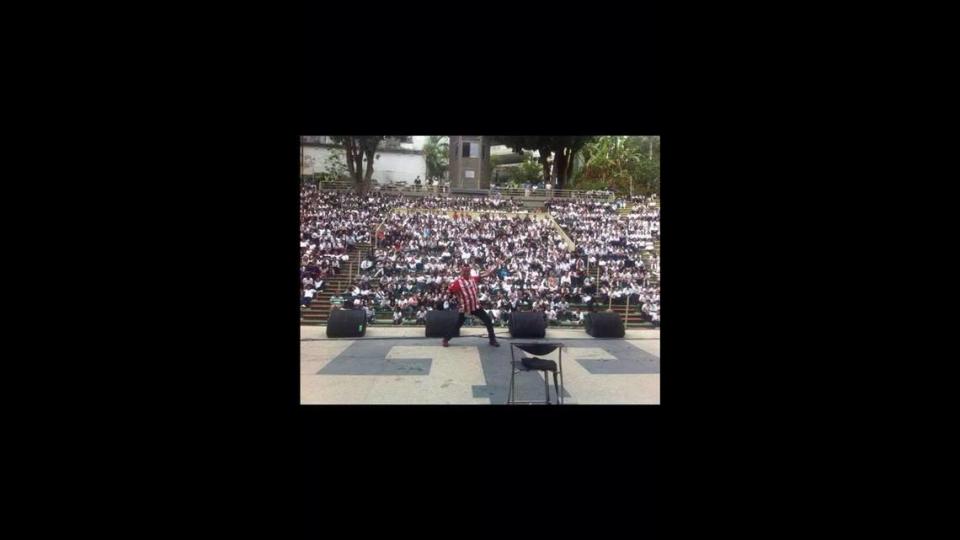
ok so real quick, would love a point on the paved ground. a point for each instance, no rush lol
(393, 365)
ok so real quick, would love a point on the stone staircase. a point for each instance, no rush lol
(318, 311)
(656, 241)
(633, 318)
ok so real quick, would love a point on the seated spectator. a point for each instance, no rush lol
(308, 295)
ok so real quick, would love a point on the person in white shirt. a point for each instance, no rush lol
(306, 296)
(654, 311)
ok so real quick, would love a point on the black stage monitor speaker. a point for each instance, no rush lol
(604, 324)
(347, 323)
(528, 324)
(442, 321)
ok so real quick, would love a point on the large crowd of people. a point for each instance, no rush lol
(331, 223)
(473, 203)
(418, 253)
(620, 246)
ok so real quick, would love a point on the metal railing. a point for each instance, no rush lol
(446, 189)
(377, 186)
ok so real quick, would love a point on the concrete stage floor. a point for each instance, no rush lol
(399, 366)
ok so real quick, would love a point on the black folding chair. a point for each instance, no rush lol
(536, 364)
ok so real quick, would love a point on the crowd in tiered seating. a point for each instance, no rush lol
(330, 224)
(466, 203)
(421, 253)
(620, 246)
(418, 253)
(598, 193)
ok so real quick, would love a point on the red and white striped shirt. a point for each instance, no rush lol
(466, 290)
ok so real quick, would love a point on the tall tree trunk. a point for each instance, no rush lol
(358, 163)
(348, 149)
(545, 161)
(355, 162)
(560, 165)
(369, 172)
(358, 158)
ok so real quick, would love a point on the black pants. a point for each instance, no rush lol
(480, 314)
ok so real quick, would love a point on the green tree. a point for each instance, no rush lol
(624, 164)
(335, 168)
(436, 155)
(360, 149)
(529, 171)
(556, 152)
(649, 145)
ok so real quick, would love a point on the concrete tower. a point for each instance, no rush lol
(469, 162)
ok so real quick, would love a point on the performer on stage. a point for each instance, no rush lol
(465, 288)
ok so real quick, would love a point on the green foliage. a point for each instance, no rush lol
(529, 171)
(335, 168)
(561, 148)
(436, 154)
(357, 151)
(617, 162)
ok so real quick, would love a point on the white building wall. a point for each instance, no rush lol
(391, 167)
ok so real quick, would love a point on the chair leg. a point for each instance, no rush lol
(546, 387)
(513, 372)
(562, 389)
(557, 389)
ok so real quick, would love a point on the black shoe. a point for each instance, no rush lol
(494, 344)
